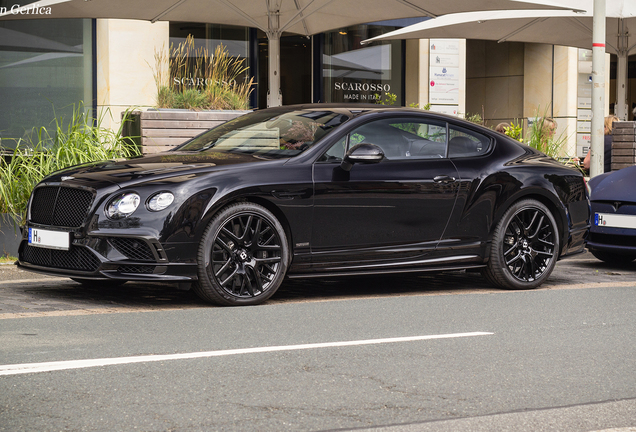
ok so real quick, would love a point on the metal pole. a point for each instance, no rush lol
(598, 88)
(274, 97)
(621, 73)
(621, 87)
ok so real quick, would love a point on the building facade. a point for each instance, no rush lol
(48, 66)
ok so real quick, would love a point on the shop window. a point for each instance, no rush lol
(45, 72)
(362, 73)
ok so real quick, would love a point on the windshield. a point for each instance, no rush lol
(268, 133)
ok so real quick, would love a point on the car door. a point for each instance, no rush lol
(393, 211)
(468, 227)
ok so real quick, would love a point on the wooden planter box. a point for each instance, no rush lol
(623, 145)
(161, 130)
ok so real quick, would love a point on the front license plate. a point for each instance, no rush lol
(49, 239)
(614, 220)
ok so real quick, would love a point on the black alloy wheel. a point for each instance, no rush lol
(243, 256)
(525, 247)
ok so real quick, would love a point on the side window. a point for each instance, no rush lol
(336, 152)
(404, 138)
(466, 143)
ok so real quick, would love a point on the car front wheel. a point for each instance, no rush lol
(525, 247)
(243, 256)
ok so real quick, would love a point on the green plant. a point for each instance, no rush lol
(192, 78)
(7, 259)
(426, 107)
(474, 118)
(541, 136)
(515, 131)
(77, 140)
(189, 99)
(390, 99)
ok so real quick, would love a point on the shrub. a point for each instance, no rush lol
(212, 81)
(80, 140)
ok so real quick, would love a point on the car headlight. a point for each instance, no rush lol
(123, 206)
(160, 201)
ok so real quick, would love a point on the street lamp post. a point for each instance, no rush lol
(598, 89)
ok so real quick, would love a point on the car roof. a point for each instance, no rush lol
(357, 109)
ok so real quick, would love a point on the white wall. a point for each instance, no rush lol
(125, 58)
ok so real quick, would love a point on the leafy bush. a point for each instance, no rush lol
(192, 78)
(80, 140)
(541, 136)
(515, 131)
(474, 118)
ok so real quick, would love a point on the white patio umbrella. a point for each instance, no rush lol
(274, 17)
(539, 26)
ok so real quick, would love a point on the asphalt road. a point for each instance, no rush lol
(560, 358)
(24, 294)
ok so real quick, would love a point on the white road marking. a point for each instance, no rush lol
(25, 368)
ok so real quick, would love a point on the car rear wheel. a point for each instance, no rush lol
(243, 256)
(613, 258)
(525, 247)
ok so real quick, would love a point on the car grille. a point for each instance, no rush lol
(76, 258)
(60, 206)
(136, 269)
(133, 249)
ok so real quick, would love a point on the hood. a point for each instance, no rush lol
(155, 167)
(615, 186)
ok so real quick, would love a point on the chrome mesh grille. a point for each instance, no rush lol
(60, 206)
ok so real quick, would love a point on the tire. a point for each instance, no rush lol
(243, 256)
(524, 248)
(99, 283)
(612, 257)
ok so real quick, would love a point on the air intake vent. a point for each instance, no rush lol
(76, 258)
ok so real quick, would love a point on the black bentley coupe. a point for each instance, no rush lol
(311, 191)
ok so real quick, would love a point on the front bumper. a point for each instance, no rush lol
(621, 240)
(113, 256)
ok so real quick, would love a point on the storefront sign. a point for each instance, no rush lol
(584, 126)
(444, 98)
(444, 60)
(444, 73)
(583, 143)
(445, 109)
(195, 81)
(373, 87)
(584, 115)
(31, 9)
(444, 46)
(443, 86)
(361, 92)
(584, 102)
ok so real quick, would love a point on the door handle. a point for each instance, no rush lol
(444, 179)
(288, 195)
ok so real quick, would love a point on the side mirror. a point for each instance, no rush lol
(364, 153)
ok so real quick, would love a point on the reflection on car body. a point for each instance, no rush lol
(312, 191)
